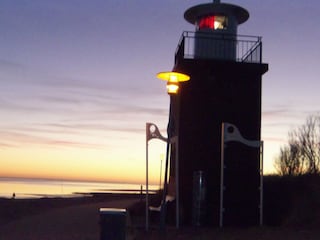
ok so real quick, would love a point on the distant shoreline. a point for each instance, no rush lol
(36, 188)
(108, 193)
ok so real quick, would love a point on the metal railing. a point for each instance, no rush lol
(201, 45)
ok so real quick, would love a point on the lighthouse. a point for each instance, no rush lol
(225, 86)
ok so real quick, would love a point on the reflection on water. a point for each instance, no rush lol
(37, 188)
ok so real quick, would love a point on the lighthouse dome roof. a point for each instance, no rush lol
(193, 14)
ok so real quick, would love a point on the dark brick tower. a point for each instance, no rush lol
(226, 72)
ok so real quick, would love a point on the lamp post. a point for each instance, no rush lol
(173, 79)
(161, 160)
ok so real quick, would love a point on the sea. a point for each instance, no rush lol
(25, 188)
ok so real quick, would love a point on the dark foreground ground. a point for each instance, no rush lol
(78, 218)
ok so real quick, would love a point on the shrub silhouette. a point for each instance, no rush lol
(292, 200)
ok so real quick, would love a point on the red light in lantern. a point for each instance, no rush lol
(207, 22)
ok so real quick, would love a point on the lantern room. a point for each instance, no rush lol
(216, 29)
(211, 22)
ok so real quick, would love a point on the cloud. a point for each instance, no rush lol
(275, 139)
(276, 112)
(53, 119)
(286, 115)
(32, 137)
(6, 65)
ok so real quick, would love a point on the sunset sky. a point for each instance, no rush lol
(77, 81)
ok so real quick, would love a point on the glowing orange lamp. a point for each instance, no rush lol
(173, 79)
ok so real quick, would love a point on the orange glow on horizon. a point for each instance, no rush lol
(80, 164)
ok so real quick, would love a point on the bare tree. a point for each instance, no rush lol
(309, 138)
(288, 161)
(302, 153)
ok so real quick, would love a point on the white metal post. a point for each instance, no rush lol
(150, 134)
(235, 135)
(147, 181)
(261, 182)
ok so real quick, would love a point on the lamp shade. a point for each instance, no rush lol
(173, 76)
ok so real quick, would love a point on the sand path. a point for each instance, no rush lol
(79, 222)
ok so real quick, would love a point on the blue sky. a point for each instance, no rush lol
(77, 79)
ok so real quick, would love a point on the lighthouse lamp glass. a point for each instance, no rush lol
(172, 87)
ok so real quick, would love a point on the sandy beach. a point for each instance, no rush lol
(78, 218)
(62, 219)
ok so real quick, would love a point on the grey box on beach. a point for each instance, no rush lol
(113, 224)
